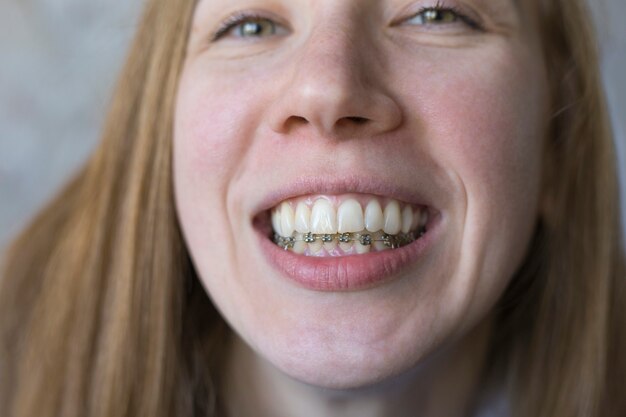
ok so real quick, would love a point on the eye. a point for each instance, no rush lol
(440, 15)
(246, 26)
(434, 16)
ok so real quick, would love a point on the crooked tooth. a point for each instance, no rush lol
(393, 220)
(276, 222)
(287, 220)
(299, 247)
(374, 220)
(407, 219)
(323, 218)
(350, 217)
(303, 218)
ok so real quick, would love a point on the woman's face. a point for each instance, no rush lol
(387, 120)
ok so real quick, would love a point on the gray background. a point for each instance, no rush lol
(58, 63)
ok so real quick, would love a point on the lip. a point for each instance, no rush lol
(347, 273)
(307, 185)
(355, 272)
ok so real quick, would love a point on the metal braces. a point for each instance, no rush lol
(365, 239)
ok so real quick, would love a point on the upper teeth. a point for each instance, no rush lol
(321, 216)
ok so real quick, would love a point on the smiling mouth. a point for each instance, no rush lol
(344, 225)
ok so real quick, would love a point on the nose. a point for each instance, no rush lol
(336, 86)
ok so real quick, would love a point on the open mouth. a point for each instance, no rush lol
(324, 238)
(344, 225)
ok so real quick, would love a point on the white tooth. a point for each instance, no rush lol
(287, 220)
(345, 246)
(417, 215)
(379, 246)
(276, 221)
(323, 218)
(315, 247)
(350, 217)
(330, 246)
(374, 220)
(360, 249)
(423, 218)
(299, 247)
(393, 221)
(407, 219)
(303, 218)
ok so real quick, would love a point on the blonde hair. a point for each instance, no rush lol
(101, 313)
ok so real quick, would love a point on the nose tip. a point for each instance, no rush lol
(333, 109)
(336, 88)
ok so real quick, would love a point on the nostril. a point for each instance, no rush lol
(297, 120)
(357, 120)
(325, 126)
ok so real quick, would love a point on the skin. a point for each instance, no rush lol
(451, 111)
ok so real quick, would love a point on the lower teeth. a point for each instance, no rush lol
(377, 240)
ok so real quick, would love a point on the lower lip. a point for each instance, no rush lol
(346, 273)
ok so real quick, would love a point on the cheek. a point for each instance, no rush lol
(214, 138)
(484, 125)
(496, 153)
(494, 144)
(495, 138)
(207, 129)
(207, 152)
(485, 120)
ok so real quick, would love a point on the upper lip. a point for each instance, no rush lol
(343, 184)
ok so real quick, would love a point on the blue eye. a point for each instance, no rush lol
(246, 26)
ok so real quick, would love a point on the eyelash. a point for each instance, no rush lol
(235, 20)
(242, 17)
(439, 7)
